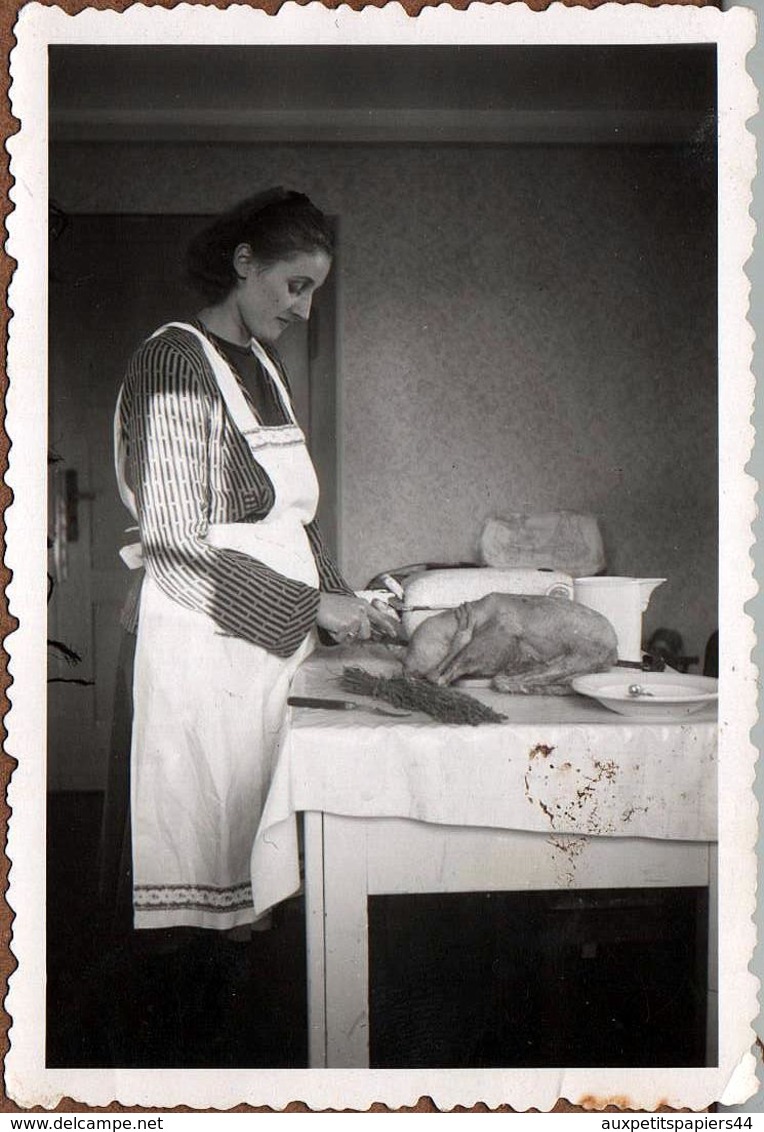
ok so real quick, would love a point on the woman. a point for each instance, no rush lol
(213, 465)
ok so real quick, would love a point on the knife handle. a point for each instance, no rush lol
(310, 701)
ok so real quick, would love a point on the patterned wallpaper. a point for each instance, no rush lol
(520, 328)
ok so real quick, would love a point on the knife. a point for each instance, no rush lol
(427, 608)
(648, 663)
(341, 705)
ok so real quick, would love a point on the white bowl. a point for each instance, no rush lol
(661, 694)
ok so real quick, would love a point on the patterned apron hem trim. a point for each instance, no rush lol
(193, 896)
(240, 887)
(190, 906)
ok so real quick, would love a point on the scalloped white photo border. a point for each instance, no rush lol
(28, 1081)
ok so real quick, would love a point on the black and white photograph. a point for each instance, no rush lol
(385, 418)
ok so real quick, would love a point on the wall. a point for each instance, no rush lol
(519, 328)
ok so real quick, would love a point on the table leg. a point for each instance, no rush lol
(315, 939)
(712, 994)
(346, 927)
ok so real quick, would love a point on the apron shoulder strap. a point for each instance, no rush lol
(268, 364)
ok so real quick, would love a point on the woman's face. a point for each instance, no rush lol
(269, 299)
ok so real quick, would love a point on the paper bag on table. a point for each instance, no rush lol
(553, 540)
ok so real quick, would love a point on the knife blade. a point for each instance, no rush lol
(427, 608)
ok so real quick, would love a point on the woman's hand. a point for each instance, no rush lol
(349, 618)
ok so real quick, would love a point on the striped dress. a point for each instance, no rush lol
(189, 467)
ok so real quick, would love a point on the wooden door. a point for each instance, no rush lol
(113, 280)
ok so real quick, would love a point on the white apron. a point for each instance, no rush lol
(210, 709)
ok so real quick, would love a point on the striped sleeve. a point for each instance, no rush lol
(330, 579)
(169, 435)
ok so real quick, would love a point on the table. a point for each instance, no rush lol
(563, 795)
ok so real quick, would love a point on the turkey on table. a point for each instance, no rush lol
(526, 644)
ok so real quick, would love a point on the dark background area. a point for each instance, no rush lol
(467, 980)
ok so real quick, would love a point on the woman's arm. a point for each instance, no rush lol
(169, 456)
(330, 579)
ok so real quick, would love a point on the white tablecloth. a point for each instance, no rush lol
(558, 765)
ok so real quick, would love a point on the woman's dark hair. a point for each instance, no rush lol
(276, 224)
